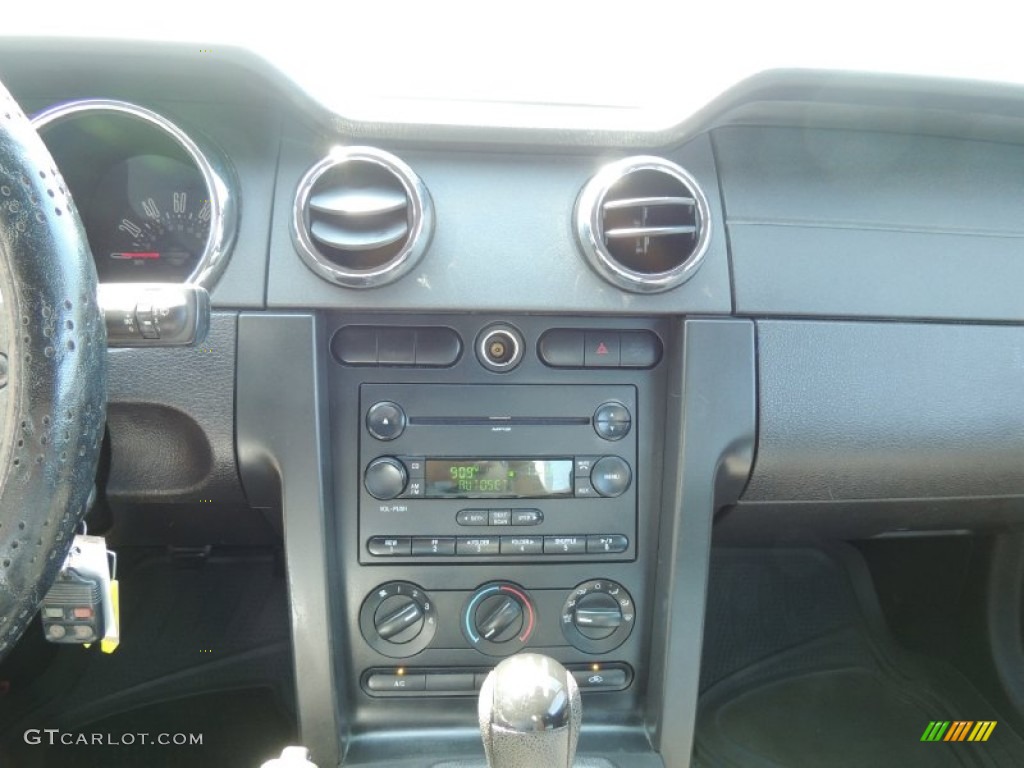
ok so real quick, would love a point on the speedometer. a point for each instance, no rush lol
(149, 221)
(156, 207)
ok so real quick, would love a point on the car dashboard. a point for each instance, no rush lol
(497, 389)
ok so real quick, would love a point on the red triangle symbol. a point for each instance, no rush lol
(602, 349)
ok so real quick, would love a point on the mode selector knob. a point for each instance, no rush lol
(597, 615)
(385, 478)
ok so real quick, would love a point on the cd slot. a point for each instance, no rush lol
(489, 421)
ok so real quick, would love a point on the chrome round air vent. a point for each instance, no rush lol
(363, 218)
(643, 224)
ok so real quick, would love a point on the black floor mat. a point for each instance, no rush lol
(205, 650)
(800, 671)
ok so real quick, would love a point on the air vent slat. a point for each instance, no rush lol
(643, 224)
(633, 232)
(647, 202)
(367, 201)
(362, 217)
(351, 239)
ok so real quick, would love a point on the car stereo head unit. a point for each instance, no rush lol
(523, 472)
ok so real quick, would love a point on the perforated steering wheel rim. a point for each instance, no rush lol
(52, 371)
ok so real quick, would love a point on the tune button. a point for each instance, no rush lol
(612, 420)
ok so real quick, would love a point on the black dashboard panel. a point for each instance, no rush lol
(871, 411)
(842, 223)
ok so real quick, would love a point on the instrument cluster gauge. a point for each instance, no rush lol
(149, 221)
(156, 207)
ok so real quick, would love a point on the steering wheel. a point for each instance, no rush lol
(53, 384)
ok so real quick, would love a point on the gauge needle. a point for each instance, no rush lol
(130, 255)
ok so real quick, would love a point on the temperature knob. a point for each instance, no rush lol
(598, 616)
(499, 618)
(398, 619)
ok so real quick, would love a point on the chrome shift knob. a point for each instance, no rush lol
(530, 713)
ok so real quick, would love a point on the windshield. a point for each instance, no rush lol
(639, 65)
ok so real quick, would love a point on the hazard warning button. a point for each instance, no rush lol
(601, 349)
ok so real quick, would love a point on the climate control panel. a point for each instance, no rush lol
(400, 619)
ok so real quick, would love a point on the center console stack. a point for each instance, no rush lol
(496, 487)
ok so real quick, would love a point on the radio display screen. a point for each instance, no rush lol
(498, 478)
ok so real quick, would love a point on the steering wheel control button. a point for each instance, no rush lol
(607, 545)
(471, 517)
(611, 476)
(612, 421)
(499, 347)
(380, 682)
(639, 349)
(385, 478)
(527, 517)
(390, 546)
(499, 618)
(398, 619)
(561, 348)
(522, 545)
(598, 616)
(601, 349)
(565, 545)
(468, 546)
(385, 420)
(441, 546)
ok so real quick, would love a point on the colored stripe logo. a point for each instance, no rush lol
(958, 730)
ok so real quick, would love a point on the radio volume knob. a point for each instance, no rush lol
(385, 478)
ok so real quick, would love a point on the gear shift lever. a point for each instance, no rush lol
(530, 713)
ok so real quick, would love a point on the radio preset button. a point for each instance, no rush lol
(389, 546)
(527, 517)
(483, 545)
(610, 544)
(612, 421)
(433, 547)
(611, 476)
(500, 517)
(565, 545)
(472, 517)
(385, 420)
(522, 545)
